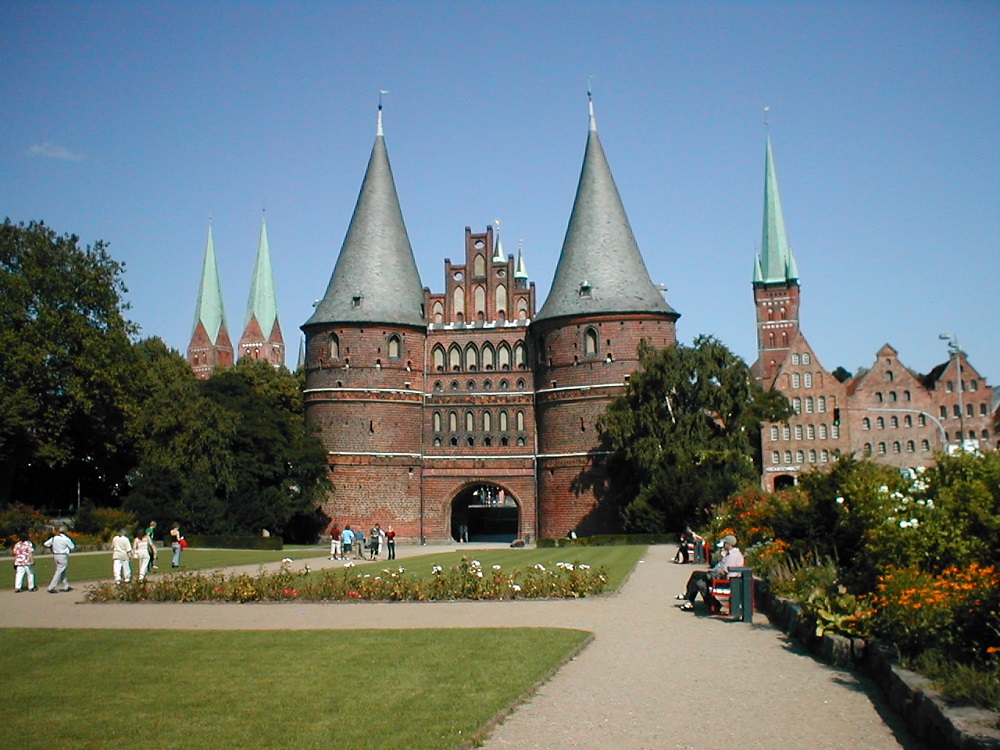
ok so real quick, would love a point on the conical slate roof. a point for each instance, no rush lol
(209, 310)
(376, 278)
(776, 263)
(600, 267)
(263, 302)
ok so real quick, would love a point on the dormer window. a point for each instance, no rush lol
(585, 289)
(357, 299)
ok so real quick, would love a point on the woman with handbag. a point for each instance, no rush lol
(176, 539)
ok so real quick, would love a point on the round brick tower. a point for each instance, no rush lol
(601, 305)
(364, 363)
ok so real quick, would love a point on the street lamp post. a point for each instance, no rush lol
(954, 350)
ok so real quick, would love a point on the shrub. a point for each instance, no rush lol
(103, 523)
(18, 518)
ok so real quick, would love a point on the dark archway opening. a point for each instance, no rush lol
(484, 513)
(783, 482)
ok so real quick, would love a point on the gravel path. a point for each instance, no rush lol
(654, 677)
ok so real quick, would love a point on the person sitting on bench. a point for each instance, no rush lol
(701, 580)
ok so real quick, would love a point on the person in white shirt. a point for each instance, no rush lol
(701, 580)
(61, 545)
(121, 554)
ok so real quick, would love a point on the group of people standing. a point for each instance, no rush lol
(123, 550)
(341, 543)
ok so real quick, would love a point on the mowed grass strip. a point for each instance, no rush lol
(414, 689)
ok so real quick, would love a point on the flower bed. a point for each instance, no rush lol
(466, 580)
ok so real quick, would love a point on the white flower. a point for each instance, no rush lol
(402, 569)
(348, 565)
(496, 567)
(914, 522)
(538, 566)
(516, 587)
(884, 488)
(584, 567)
(930, 503)
(840, 501)
(904, 524)
(476, 564)
(436, 569)
(479, 574)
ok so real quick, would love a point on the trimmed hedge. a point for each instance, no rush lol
(608, 540)
(232, 542)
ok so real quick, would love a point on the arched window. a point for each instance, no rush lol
(878, 396)
(810, 432)
(487, 421)
(437, 421)
(786, 433)
(866, 424)
(957, 410)
(774, 432)
(822, 431)
(784, 337)
(922, 420)
(795, 357)
(800, 457)
(471, 358)
(894, 422)
(438, 312)
(470, 421)
(821, 404)
(944, 412)
(458, 301)
(394, 347)
(455, 358)
(797, 405)
(503, 421)
(439, 358)
(824, 455)
(480, 296)
(775, 457)
(896, 447)
(795, 380)
(868, 449)
(910, 446)
(812, 456)
(788, 457)
(892, 396)
(504, 385)
(489, 357)
(806, 359)
(880, 423)
(519, 355)
(503, 357)
(798, 432)
(452, 421)
(520, 384)
(809, 404)
(479, 266)
(520, 421)
(470, 441)
(590, 342)
(807, 380)
(888, 376)
(334, 346)
(970, 410)
(504, 441)
(520, 442)
(501, 295)
(907, 421)
(487, 385)
(925, 445)
(522, 308)
(907, 396)
(881, 449)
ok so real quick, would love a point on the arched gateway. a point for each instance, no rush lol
(484, 512)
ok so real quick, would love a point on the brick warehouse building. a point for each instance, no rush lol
(886, 412)
(466, 408)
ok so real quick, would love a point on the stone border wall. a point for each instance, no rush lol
(931, 717)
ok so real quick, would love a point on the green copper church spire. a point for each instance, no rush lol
(263, 302)
(776, 263)
(210, 310)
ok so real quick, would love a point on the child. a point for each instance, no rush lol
(24, 563)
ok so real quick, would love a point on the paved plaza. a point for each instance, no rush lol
(654, 678)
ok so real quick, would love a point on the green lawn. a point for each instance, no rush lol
(413, 689)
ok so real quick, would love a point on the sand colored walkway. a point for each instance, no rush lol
(654, 678)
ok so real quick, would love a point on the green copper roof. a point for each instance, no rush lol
(600, 268)
(376, 278)
(263, 302)
(776, 263)
(210, 310)
(520, 270)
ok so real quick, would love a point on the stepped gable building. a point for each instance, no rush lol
(464, 412)
(210, 345)
(887, 412)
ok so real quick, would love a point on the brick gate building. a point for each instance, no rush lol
(465, 411)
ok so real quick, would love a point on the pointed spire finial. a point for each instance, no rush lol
(590, 102)
(767, 117)
(379, 131)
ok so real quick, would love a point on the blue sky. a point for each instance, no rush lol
(136, 122)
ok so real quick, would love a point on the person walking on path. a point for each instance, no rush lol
(390, 541)
(335, 542)
(176, 537)
(24, 563)
(121, 556)
(346, 541)
(151, 533)
(143, 553)
(61, 545)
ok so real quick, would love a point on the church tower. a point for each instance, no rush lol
(364, 362)
(261, 337)
(585, 339)
(775, 284)
(210, 346)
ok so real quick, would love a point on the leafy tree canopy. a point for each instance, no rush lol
(66, 365)
(683, 436)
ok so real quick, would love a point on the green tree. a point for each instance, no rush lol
(682, 437)
(66, 366)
